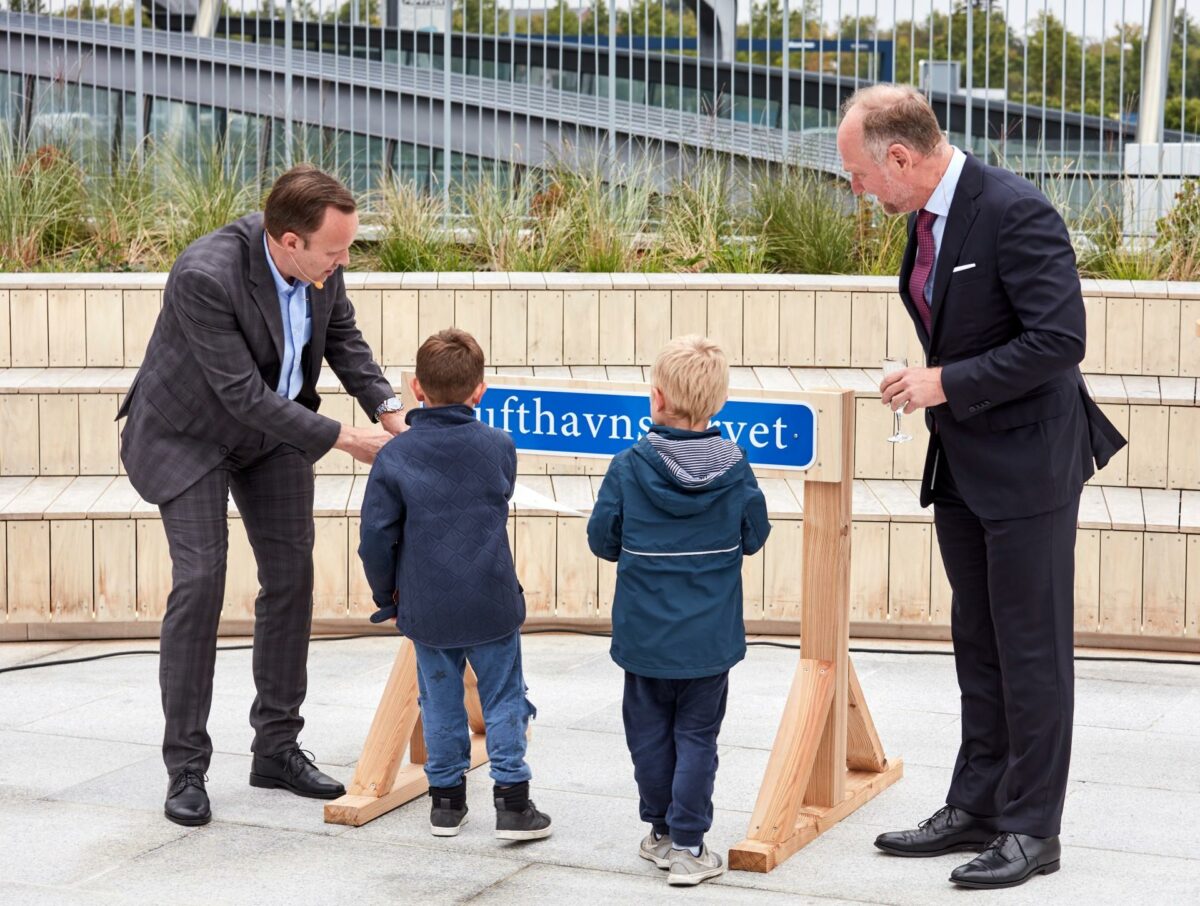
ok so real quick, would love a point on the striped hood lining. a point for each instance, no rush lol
(695, 461)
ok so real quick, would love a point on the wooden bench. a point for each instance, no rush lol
(91, 551)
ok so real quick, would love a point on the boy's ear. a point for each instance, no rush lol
(657, 400)
(415, 385)
(478, 394)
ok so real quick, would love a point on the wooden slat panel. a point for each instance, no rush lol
(71, 567)
(331, 565)
(1177, 391)
(99, 434)
(872, 426)
(726, 323)
(1123, 343)
(1093, 511)
(536, 556)
(1117, 470)
(28, 545)
(368, 316)
(833, 320)
(473, 313)
(435, 311)
(1087, 580)
(1164, 584)
(652, 321)
(908, 572)
(117, 502)
(400, 327)
(29, 329)
(1191, 625)
(510, 327)
(868, 329)
(340, 407)
(5, 335)
(1183, 463)
(797, 327)
(903, 341)
(1125, 508)
(1189, 343)
(65, 316)
(760, 335)
(753, 587)
(105, 330)
(115, 569)
(140, 312)
(908, 459)
(1160, 336)
(33, 499)
(618, 328)
(78, 499)
(1096, 310)
(901, 503)
(689, 312)
(545, 327)
(1120, 582)
(3, 568)
(19, 453)
(1141, 388)
(783, 570)
(358, 591)
(581, 339)
(869, 571)
(58, 426)
(1148, 446)
(577, 580)
(866, 505)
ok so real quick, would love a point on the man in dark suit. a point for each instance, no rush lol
(990, 281)
(226, 401)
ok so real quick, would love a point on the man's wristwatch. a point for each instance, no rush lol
(389, 405)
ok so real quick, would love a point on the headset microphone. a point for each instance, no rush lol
(319, 284)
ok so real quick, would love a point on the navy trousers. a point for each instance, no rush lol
(671, 726)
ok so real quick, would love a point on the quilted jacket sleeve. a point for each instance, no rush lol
(380, 533)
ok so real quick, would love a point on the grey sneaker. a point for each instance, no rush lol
(656, 851)
(688, 870)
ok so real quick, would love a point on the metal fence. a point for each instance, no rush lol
(440, 93)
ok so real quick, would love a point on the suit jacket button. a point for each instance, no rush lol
(935, 361)
(223, 449)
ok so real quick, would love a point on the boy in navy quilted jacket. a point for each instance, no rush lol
(677, 511)
(435, 551)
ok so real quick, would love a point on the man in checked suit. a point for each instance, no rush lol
(990, 281)
(226, 401)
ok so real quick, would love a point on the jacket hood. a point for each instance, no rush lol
(684, 472)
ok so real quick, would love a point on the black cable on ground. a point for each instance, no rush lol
(1114, 659)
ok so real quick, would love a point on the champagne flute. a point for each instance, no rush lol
(891, 366)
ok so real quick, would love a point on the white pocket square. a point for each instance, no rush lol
(963, 267)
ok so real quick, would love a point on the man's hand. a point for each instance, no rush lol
(913, 388)
(361, 443)
(393, 423)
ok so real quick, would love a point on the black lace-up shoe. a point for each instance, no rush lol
(187, 800)
(948, 830)
(293, 769)
(1010, 860)
(448, 809)
(517, 818)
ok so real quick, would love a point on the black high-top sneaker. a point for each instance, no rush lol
(517, 818)
(449, 809)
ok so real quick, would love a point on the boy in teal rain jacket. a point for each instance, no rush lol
(677, 512)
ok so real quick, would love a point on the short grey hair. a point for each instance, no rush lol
(895, 114)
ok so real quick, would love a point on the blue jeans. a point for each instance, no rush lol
(671, 726)
(506, 710)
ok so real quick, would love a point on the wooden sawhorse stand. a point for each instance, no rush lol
(380, 784)
(827, 759)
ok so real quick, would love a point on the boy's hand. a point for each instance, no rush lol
(387, 611)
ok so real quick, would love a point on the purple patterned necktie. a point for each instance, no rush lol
(923, 266)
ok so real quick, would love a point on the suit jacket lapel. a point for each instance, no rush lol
(266, 297)
(963, 210)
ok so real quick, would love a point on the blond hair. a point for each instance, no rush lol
(895, 115)
(691, 372)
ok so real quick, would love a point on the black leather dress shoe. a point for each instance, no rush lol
(948, 830)
(293, 769)
(187, 801)
(1011, 859)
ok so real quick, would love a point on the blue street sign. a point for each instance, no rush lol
(775, 433)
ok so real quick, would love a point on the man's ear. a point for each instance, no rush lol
(415, 386)
(478, 394)
(900, 156)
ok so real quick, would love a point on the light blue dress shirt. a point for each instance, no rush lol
(939, 204)
(297, 327)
